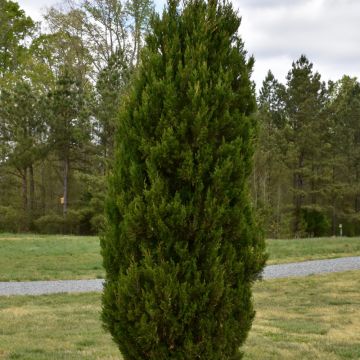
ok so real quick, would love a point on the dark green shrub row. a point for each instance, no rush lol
(77, 222)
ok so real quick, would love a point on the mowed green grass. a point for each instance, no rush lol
(316, 317)
(39, 257)
(293, 250)
(49, 257)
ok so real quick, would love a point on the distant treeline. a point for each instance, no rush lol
(60, 92)
(306, 179)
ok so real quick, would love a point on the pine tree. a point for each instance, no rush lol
(270, 175)
(21, 133)
(110, 86)
(305, 129)
(344, 189)
(182, 248)
(69, 125)
(15, 27)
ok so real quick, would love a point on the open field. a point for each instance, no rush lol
(294, 250)
(53, 257)
(316, 317)
(49, 257)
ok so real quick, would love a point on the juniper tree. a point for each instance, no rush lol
(182, 248)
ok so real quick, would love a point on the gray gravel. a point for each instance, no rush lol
(311, 267)
(271, 272)
(50, 287)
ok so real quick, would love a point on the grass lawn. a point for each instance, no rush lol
(49, 257)
(316, 317)
(293, 250)
(46, 257)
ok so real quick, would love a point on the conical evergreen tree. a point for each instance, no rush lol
(182, 248)
(270, 175)
(306, 144)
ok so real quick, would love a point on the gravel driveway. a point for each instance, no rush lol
(272, 271)
(311, 267)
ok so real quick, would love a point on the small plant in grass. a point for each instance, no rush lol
(182, 248)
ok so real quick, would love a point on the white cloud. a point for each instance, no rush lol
(277, 32)
(35, 8)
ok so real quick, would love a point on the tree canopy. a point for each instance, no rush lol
(307, 155)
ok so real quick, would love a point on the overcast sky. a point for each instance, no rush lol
(277, 32)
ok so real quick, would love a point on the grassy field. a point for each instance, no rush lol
(316, 317)
(285, 251)
(40, 257)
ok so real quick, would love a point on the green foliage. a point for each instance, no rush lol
(344, 190)
(110, 86)
(76, 222)
(49, 224)
(92, 202)
(270, 175)
(21, 126)
(304, 132)
(10, 219)
(69, 124)
(98, 222)
(350, 225)
(15, 27)
(69, 119)
(307, 174)
(59, 95)
(140, 11)
(315, 222)
(182, 249)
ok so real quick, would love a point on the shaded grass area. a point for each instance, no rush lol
(40, 257)
(316, 317)
(49, 257)
(293, 250)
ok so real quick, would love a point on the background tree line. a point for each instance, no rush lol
(60, 91)
(306, 177)
(59, 95)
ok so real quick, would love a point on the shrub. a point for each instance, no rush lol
(76, 222)
(182, 249)
(73, 221)
(10, 219)
(97, 223)
(50, 224)
(315, 222)
(350, 225)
